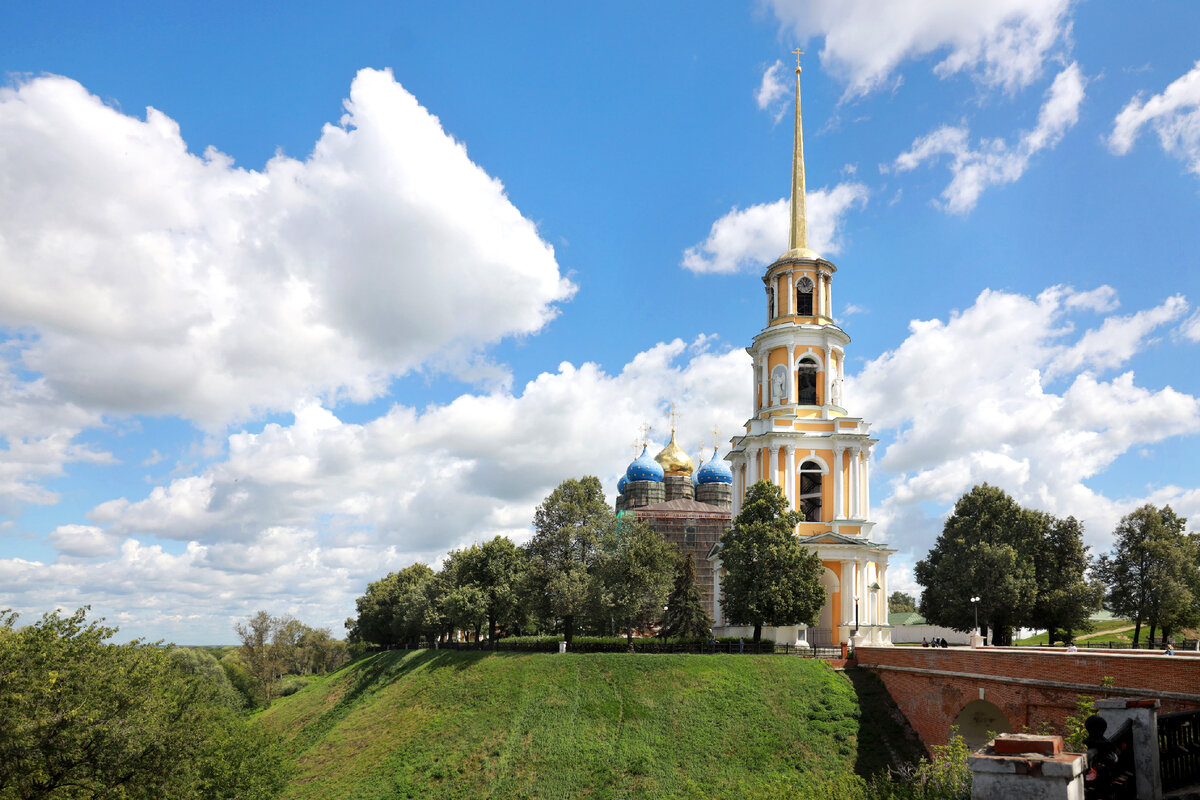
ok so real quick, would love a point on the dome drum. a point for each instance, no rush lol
(644, 493)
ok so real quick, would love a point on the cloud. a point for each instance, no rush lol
(149, 280)
(1174, 115)
(300, 516)
(1190, 329)
(995, 162)
(84, 541)
(772, 92)
(1000, 43)
(38, 438)
(968, 400)
(750, 238)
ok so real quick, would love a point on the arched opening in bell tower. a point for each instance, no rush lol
(809, 496)
(806, 382)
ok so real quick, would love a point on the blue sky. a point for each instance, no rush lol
(439, 259)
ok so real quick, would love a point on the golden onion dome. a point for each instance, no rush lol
(673, 460)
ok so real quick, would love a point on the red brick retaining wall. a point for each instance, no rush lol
(1032, 687)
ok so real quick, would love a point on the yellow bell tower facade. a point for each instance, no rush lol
(801, 438)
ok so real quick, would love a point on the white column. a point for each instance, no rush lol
(791, 391)
(791, 293)
(862, 487)
(751, 467)
(848, 592)
(818, 293)
(852, 488)
(838, 508)
(828, 373)
(739, 486)
(764, 381)
(789, 472)
(829, 297)
(860, 589)
(883, 593)
(754, 387)
(867, 483)
(773, 465)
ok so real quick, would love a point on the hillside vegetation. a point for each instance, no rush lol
(465, 725)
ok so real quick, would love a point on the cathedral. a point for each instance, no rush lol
(800, 437)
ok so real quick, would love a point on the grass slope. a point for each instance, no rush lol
(465, 725)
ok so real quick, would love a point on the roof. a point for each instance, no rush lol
(906, 618)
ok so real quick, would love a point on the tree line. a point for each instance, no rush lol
(81, 716)
(1030, 569)
(586, 569)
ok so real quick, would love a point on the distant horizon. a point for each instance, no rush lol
(296, 302)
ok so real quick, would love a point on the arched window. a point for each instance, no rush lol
(809, 495)
(804, 297)
(806, 382)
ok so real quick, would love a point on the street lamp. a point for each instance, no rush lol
(856, 615)
(975, 601)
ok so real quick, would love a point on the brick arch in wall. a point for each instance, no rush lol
(979, 721)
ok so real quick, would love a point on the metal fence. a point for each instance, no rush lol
(746, 647)
(1179, 749)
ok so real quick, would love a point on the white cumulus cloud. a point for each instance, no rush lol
(995, 162)
(1000, 43)
(773, 91)
(969, 400)
(1174, 115)
(150, 280)
(752, 237)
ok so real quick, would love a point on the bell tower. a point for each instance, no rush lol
(801, 437)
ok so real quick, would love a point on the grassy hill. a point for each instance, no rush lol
(466, 725)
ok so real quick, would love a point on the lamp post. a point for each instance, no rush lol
(975, 602)
(856, 615)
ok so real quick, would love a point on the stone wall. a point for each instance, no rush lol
(932, 686)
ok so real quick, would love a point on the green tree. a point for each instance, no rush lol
(194, 661)
(986, 550)
(633, 571)
(899, 601)
(771, 579)
(83, 718)
(260, 651)
(685, 614)
(498, 572)
(394, 608)
(562, 552)
(1065, 597)
(1151, 572)
(456, 601)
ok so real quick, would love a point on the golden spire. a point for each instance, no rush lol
(798, 238)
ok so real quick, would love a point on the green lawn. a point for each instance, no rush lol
(467, 725)
(1096, 635)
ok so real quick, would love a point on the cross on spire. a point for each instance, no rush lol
(798, 53)
(646, 430)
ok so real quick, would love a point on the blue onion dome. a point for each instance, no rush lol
(644, 468)
(715, 470)
(621, 484)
